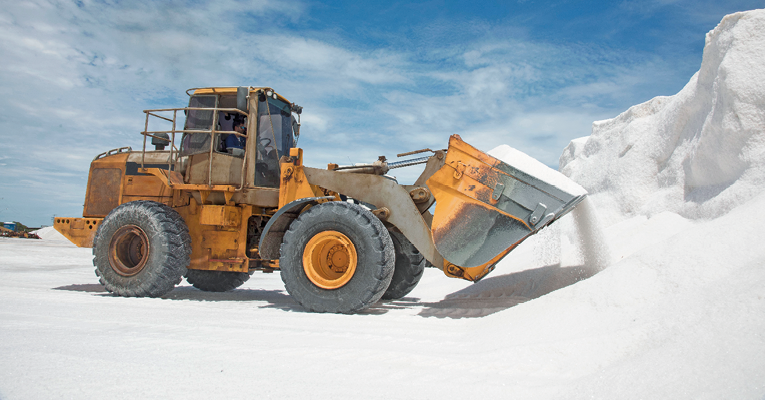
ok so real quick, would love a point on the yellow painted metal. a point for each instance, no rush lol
(219, 241)
(232, 90)
(217, 247)
(145, 187)
(222, 90)
(174, 180)
(228, 265)
(474, 274)
(79, 231)
(105, 185)
(457, 189)
(294, 184)
(229, 216)
(453, 187)
(330, 259)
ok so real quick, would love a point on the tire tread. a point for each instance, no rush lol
(175, 242)
(381, 254)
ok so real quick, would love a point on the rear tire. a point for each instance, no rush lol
(216, 281)
(410, 265)
(336, 257)
(141, 249)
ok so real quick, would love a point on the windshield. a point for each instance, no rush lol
(275, 123)
(275, 138)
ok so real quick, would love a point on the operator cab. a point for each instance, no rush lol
(270, 128)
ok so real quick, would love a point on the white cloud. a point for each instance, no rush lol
(314, 122)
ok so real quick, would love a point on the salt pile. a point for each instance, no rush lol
(50, 233)
(698, 153)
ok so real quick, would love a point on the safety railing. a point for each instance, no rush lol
(175, 151)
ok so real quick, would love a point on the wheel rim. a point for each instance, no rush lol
(329, 260)
(128, 250)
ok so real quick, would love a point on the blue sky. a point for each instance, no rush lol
(375, 78)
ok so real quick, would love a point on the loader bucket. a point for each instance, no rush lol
(485, 206)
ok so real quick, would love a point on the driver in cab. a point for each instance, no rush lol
(234, 141)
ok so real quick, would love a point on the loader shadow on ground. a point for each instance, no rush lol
(499, 293)
(84, 287)
(486, 297)
(240, 294)
(274, 298)
(278, 299)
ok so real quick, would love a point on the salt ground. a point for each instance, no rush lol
(678, 313)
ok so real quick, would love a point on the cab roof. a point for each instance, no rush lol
(231, 90)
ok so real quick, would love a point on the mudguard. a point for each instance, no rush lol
(273, 233)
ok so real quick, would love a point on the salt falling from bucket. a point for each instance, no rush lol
(596, 255)
(592, 244)
(547, 246)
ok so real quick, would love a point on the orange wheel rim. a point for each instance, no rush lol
(128, 250)
(329, 260)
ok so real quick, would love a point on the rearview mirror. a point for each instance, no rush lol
(295, 126)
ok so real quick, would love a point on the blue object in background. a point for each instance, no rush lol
(10, 225)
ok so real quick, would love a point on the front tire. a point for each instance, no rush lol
(336, 257)
(141, 249)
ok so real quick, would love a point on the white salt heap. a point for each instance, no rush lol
(50, 233)
(679, 184)
(533, 167)
(699, 153)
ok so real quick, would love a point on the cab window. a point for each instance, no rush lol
(201, 120)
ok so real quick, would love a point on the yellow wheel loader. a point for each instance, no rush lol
(224, 193)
